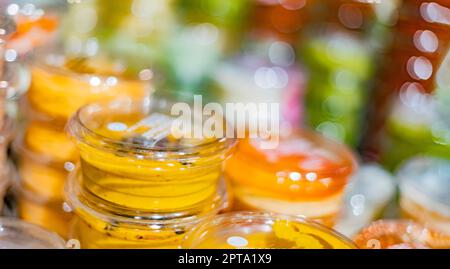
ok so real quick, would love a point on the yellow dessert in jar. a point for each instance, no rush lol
(99, 224)
(130, 158)
(62, 84)
(40, 192)
(43, 211)
(253, 230)
(41, 174)
(305, 174)
(49, 140)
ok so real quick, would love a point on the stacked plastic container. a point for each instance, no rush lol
(60, 84)
(138, 185)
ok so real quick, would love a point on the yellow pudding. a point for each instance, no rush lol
(44, 212)
(42, 176)
(60, 85)
(49, 140)
(103, 225)
(425, 193)
(305, 175)
(129, 157)
(251, 230)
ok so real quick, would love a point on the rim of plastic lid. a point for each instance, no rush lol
(27, 235)
(78, 128)
(257, 217)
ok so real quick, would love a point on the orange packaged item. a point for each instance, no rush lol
(305, 175)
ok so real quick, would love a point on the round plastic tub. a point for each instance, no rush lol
(263, 231)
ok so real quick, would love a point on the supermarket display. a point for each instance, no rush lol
(130, 124)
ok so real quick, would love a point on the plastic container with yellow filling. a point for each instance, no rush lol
(103, 225)
(62, 84)
(16, 234)
(305, 174)
(252, 230)
(425, 192)
(49, 140)
(400, 234)
(130, 158)
(44, 212)
(40, 173)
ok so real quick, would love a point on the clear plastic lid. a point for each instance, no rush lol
(16, 234)
(426, 181)
(96, 68)
(369, 192)
(304, 164)
(263, 231)
(62, 82)
(306, 152)
(142, 128)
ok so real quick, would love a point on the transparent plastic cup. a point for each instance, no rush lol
(16, 234)
(130, 158)
(368, 194)
(102, 225)
(43, 211)
(48, 140)
(306, 174)
(40, 173)
(425, 192)
(252, 230)
(62, 83)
